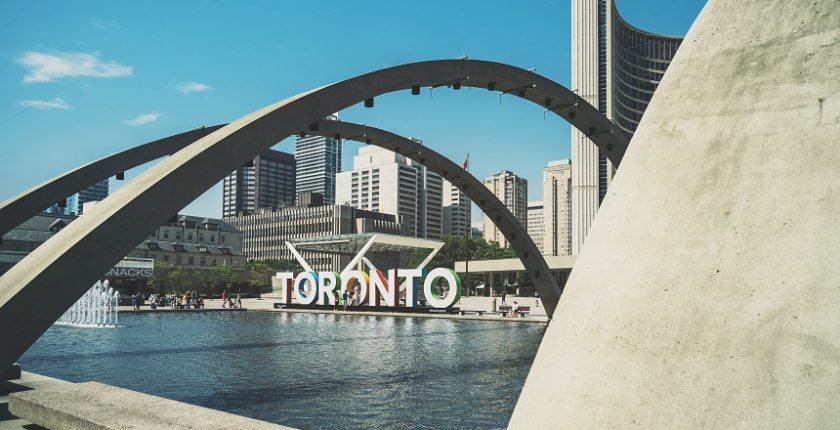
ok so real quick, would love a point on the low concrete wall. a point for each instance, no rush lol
(95, 406)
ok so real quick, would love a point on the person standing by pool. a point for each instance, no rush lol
(344, 299)
(224, 298)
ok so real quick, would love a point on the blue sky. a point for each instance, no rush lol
(80, 80)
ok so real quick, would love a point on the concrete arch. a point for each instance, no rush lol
(29, 203)
(91, 244)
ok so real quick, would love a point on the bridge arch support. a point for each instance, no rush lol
(91, 244)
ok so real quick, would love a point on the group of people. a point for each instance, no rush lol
(514, 307)
(230, 302)
(349, 298)
(187, 300)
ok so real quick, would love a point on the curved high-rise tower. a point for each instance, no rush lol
(616, 67)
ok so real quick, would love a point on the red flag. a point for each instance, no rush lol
(467, 162)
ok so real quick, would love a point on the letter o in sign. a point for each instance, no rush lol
(451, 278)
(300, 288)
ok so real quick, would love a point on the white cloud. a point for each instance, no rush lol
(55, 103)
(144, 119)
(193, 87)
(45, 67)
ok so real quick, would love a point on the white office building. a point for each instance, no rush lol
(536, 223)
(457, 211)
(557, 209)
(383, 181)
(615, 67)
(512, 190)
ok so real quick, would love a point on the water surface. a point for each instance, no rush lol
(307, 371)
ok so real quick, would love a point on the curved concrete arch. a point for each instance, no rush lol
(80, 253)
(27, 204)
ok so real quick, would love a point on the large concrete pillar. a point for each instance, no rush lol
(708, 294)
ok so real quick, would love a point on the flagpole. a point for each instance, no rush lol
(468, 234)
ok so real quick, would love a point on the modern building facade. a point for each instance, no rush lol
(195, 243)
(383, 181)
(74, 205)
(615, 67)
(557, 200)
(267, 231)
(457, 211)
(512, 190)
(318, 161)
(267, 181)
(536, 223)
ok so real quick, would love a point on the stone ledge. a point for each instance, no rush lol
(95, 406)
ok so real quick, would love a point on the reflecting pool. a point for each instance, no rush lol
(308, 371)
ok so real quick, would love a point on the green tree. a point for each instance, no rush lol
(462, 248)
(227, 275)
(208, 277)
(179, 279)
(159, 281)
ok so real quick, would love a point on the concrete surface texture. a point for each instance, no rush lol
(27, 381)
(77, 255)
(95, 406)
(707, 293)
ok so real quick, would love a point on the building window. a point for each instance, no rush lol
(212, 237)
(166, 234)
(191, 260)
(166, 258)
(189, 236)
(202, 261)
(222, 238)
(178, 259)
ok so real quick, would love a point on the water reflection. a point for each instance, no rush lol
(310, 371)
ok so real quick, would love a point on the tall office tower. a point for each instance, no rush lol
(615, 67)
(74, 205)
(536, 223)
(383, 181)
(457, 211)
(318, 161)
(267, 182)
(513, 191)
(557, 200)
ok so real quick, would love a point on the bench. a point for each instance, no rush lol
(464, 312)
(523, 310)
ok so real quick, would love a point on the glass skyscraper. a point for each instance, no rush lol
(74, 205)
(318, 161)
(616, 67)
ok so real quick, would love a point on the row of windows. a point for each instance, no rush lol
(190, 260)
